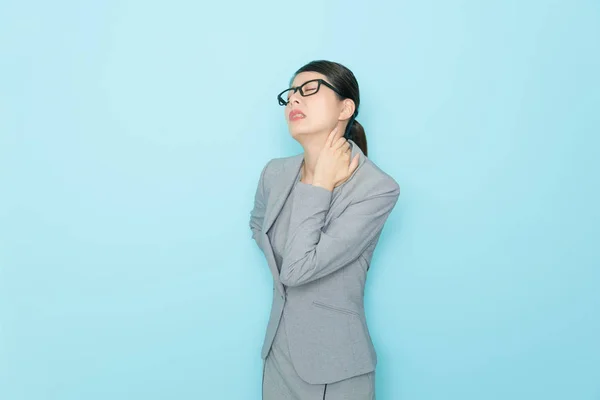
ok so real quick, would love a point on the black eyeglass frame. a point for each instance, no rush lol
(283, 102)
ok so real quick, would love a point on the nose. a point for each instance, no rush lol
(294, 97)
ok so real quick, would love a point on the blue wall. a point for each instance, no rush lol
(132, 135)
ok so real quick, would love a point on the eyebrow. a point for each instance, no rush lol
(300, 84)
(311, 79)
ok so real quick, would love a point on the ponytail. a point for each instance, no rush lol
(357, 134)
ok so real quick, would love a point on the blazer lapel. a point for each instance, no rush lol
(281, 190)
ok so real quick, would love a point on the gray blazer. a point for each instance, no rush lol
(330, 244)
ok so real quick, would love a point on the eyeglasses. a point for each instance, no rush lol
(308, 88)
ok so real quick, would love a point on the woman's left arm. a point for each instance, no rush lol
(257, 214)
(310, 253)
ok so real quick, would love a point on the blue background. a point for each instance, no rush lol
(132, 135)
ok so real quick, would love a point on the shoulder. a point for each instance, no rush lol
(276, 166)
(373, 180)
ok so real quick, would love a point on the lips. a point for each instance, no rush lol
(295, 115)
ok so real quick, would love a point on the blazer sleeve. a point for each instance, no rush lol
(257, 215)
(310, 253)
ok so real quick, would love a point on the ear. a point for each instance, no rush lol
(348, 108)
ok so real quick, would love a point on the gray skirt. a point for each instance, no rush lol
(281, 382)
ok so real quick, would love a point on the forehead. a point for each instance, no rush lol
(306, 76)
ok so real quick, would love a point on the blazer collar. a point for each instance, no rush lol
(287, 178)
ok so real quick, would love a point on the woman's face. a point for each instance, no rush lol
(312, 114)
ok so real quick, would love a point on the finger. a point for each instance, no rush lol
(344, 151)
(330, 137)
(338, 144)
(343, 144)
(353, 164)
(345, 148)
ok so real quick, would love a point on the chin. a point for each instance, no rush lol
(297, 131)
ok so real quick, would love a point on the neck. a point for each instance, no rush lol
(311, 155)
(312, 147)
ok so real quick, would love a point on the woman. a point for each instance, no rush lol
(317, 217)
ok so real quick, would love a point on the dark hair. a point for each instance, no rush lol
(344, 81)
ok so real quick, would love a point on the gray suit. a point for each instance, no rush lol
(331, 240)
